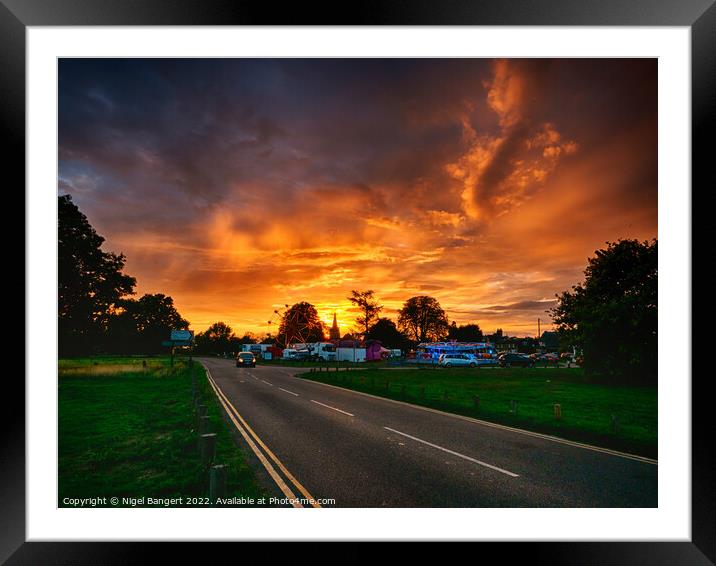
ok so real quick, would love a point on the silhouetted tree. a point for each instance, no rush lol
(388, 334)
(465, 333)
(248, 338)
(90, 282)
(300, 323)
(422, 318)
(367, 304)
(216, 339)
(146, 323)
(612, 316)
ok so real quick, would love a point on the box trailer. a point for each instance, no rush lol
(351, 354)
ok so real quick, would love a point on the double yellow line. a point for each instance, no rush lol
(252, 440)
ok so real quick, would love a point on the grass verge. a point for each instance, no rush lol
(612, 416)
(127, 430)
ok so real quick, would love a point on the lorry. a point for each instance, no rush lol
(316, 351)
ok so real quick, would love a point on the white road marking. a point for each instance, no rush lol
(246, 428)
(481, 463)
(266, 464)
(267, 383)
(287, 391)
(329, 407)
(498, 426)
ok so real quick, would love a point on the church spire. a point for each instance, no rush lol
(335, 333)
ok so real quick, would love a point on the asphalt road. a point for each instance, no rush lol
(361, 451)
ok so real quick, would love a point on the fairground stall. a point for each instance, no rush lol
(429, 352)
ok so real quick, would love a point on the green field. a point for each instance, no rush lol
(586, 407)
(126, 430)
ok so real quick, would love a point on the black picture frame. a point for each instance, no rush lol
(699, 15)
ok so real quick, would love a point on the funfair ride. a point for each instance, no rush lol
(483, 352)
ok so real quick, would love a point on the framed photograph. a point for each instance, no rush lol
(426, 272)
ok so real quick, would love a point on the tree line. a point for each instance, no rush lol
(421, 319)
(96, 310)
(611, 317)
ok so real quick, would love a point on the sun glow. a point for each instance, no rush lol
(485, 184)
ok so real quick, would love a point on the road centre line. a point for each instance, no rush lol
(267, 383)
(271, 455)
(287, 391)
(329, 407)
(548, 437)
(481, 463)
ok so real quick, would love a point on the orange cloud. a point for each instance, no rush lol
(483, 184)
(500, 171)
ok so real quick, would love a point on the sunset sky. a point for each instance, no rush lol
(239, 185)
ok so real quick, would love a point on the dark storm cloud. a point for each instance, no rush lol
(522, 306)
(481, 182)
(501, 164)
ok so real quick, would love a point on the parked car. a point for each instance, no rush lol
(517, 360)
(547, 357)
(552, 358)
(483, 359)
(245, 360)
(450, 360)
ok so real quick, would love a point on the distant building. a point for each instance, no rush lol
(335, 332)
(549, 340)
(503, 343)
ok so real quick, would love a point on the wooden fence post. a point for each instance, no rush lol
(204, 425)
(207, 448)
(217, 482)
(615, 424)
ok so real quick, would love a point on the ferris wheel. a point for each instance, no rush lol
(272, 322)
(296, 327)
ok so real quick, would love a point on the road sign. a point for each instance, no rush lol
(177, 335)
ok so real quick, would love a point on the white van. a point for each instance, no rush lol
(288, 354)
